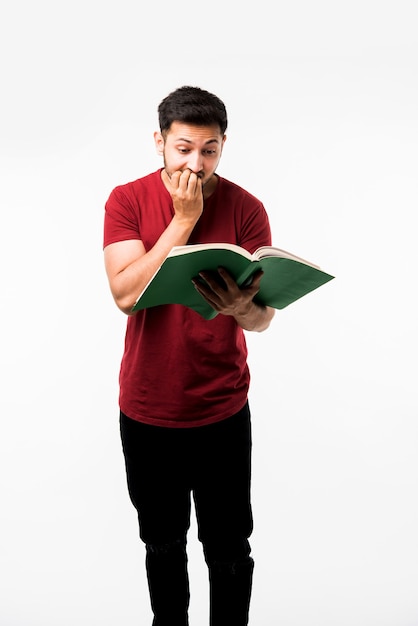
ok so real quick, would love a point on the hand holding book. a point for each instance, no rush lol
(221, 291)
(285, 277)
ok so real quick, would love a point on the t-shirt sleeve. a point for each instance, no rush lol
(121, 218)
(255, 228)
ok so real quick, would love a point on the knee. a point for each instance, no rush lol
(178, 546)
(236, 568)
(228, 554)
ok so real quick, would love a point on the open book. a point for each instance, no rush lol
(286, 277)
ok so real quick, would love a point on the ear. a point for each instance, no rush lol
(159, 143)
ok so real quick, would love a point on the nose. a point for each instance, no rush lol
(195, 162)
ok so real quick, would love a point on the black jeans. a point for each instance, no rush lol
(164, 467)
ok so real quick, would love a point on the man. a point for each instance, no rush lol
(184, 416)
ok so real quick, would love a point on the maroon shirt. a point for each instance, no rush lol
(178, 369)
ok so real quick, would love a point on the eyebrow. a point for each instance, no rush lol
(183, 139)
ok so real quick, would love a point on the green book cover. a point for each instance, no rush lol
(286, 277)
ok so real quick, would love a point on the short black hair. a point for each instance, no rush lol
(192, 105)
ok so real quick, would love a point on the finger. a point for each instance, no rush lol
(194, 183)
(198, 186)
(227, 278)
(257, 278)
(206, 292)
(174, 179)
(214, 280)
(184, 180)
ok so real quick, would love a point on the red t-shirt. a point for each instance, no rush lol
(178, 369)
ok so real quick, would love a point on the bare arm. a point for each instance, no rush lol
(230, 299)
(129, 267)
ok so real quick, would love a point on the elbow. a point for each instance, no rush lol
(128, 311)
(124, 304)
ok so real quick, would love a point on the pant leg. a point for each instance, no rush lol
(168, 583)
(224, 514)
(158, 489)
(230, 592)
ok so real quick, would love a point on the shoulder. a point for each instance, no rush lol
(134, 189)
(232, 190)
(250, 216)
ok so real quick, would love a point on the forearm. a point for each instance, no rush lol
(133, 275)
(129, 266)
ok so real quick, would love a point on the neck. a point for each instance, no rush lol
(210, 186)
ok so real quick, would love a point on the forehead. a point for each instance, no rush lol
(191, 133)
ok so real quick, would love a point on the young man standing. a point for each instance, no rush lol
(184, 415)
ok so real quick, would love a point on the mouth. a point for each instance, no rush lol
(198, 174)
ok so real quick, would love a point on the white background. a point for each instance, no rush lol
(323, 106)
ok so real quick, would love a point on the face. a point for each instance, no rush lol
(197, 148)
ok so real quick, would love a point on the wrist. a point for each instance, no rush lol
(186, 223)
(245, 309)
